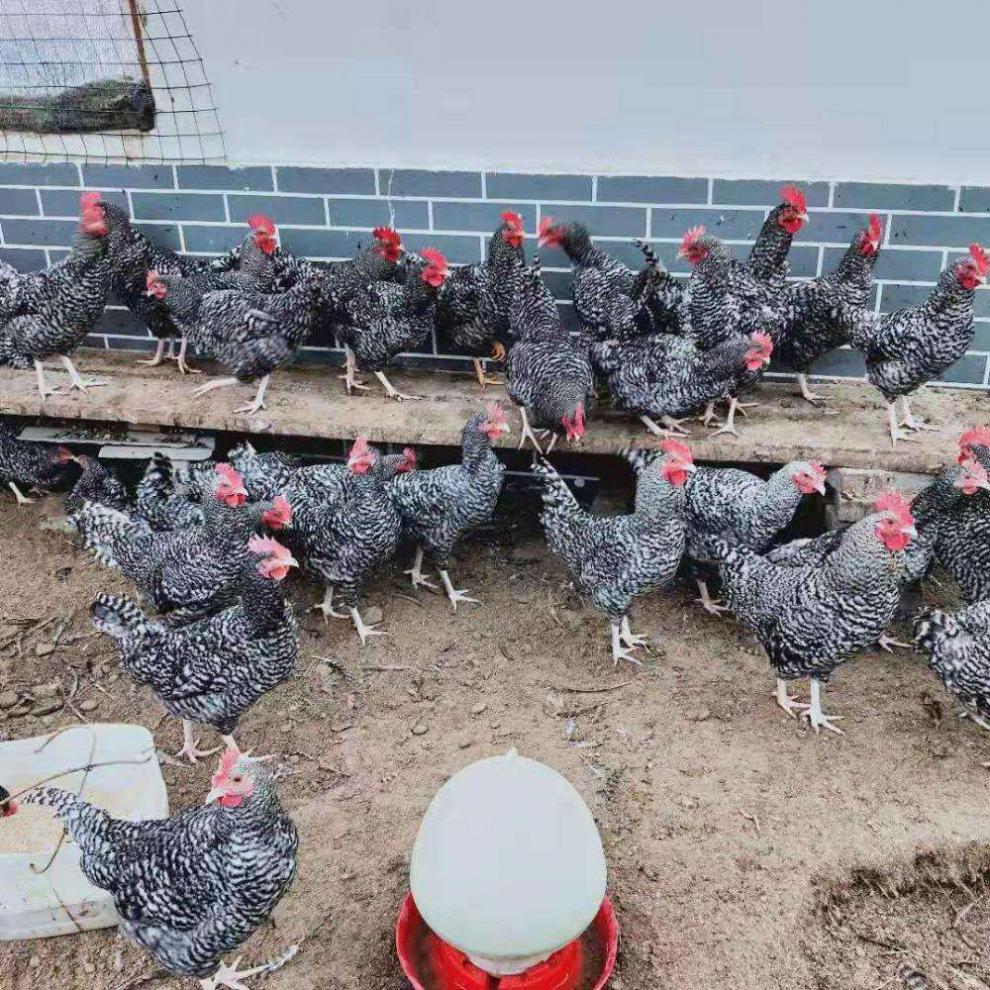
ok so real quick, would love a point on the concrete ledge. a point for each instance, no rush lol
(309, 401)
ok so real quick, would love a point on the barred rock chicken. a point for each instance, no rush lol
(473, 304)
(743, 510)
(810, 619)
(190, 888)
(440, 506)
(211, 671)
(351, 531)
(663, 377)
(25, 462)
(614, 558)
(548, 372)
(165, 504)
(812, 329)
(768, 256)
(96, 483)
(611, 300)
(251, 333)
(958, 648)
(265, 474)
(190, 572)
(905, 349)
(50, 312)
(132, 256)
(385, 318)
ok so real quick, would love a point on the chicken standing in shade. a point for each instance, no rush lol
(742, 510)
(473, 304)
(548, 373)
(190, 888)
(612, 559)
(810, 619)
(165, 504)
(383, 319)
(50, 312)
(612, 301)
(768, 257)
(211, 671)
(96, 483)
(910, 347)
(25, 462)
(440, 506)
(812, 329)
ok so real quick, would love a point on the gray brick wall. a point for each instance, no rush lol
(325, 213)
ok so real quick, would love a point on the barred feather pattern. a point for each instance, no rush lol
(810, 619)
(963, 545)
(28, 463)
(190, 888)
(771, 247)
(958, 649)
(440, 506)
(612, 559)
(97, 483)
(265, 474)
(160, 502)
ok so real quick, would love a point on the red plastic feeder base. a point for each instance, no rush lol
(431, 964)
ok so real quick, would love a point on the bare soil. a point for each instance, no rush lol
(744, 851)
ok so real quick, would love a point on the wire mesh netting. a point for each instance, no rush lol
(103, 80)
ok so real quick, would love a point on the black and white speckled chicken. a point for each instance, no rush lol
(26, 462)
(615, 558)
(166, 504)
(190, 572)
(265, 473)
(812, 329)
(50, 312)
(663, 377)
(351, 531)
(611, 300)
(133, 255)
(548, 372)
(810, 619)
(742, 510)
(384, 319)
(910, 347)
(211, 671)
(96, 483)
(958, 648)
(191, 888)
(473, 304)
(440, 506)
(768, 257)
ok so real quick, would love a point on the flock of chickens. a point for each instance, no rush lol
(208, 547)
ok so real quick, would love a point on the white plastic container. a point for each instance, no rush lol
(61, 900)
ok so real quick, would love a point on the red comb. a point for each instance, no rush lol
(360, 447)
(691, 236)
(896, 503)
(227, 763)
(434, 258)
(681, 450)
(258, 221)
(876, 227)
(545, 225)
(409, 455)
(764, 342)
(981, 258)
(495, 412)
(265, 545)
(513, 219)
(229, 474)
(794, 196)
(88, 200)
(817, 469)
(978, 436)
(387, 236)
(150, 279)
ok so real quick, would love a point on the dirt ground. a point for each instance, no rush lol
(743, 850)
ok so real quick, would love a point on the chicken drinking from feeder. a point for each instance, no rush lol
(507, 886)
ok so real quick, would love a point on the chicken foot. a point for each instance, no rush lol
(482, 375)
(44, 389)
(363, 630)
(259, 399)
(817, 719)
(672, 426)
(788, 702)
(232, 977)
(708, 415)
(19, 496)
(455, 596)
(350, 372)
(910, 423)
(391, 391)
(416, 572)
(813, 397)
(159, 357)
(76, 380)
(620, 652)
(190, 748)
(629, 638)
(896, 433)
(180, 358)
(888, 643)
(527, 433)
(706, 601)
(730, 421)
(251, 407)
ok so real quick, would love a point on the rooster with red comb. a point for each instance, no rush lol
(768, 256)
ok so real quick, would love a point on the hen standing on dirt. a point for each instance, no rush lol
(439, 507)
(903, 350)
(210, 672)
(473, 305)
(614, 558)
(24, 462)
(810, 619)
(50, 312)
(193, 887)
(812, 329)
(548, 372)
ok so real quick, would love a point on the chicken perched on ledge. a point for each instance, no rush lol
(768, 257)
(548, 372)
(742, 510)
(211, 671)
(24, 462)
(612, 559)
(473, 304)
(440, 506)
(910, 347)
(51, 312)
(810, 619)
(190, 888)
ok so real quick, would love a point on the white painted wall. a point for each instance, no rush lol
(860, 89)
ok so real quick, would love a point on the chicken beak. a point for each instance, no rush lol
(910, 531)
(214, 795)
(820, 487)
(690, 468)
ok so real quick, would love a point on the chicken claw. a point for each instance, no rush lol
(887, 643)
(190, 748)
(673, 427)
(231, 976)
(813, 397)
(416, 573)
(790, 704)
(706, 601)
(455, 596)
(19, 496)
(391, 391)
(628, 638)
(817, 719)
(619, 652)
(527, 433)
(76, 380)
(362, 630)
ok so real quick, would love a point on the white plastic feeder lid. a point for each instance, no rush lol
(508, 862)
